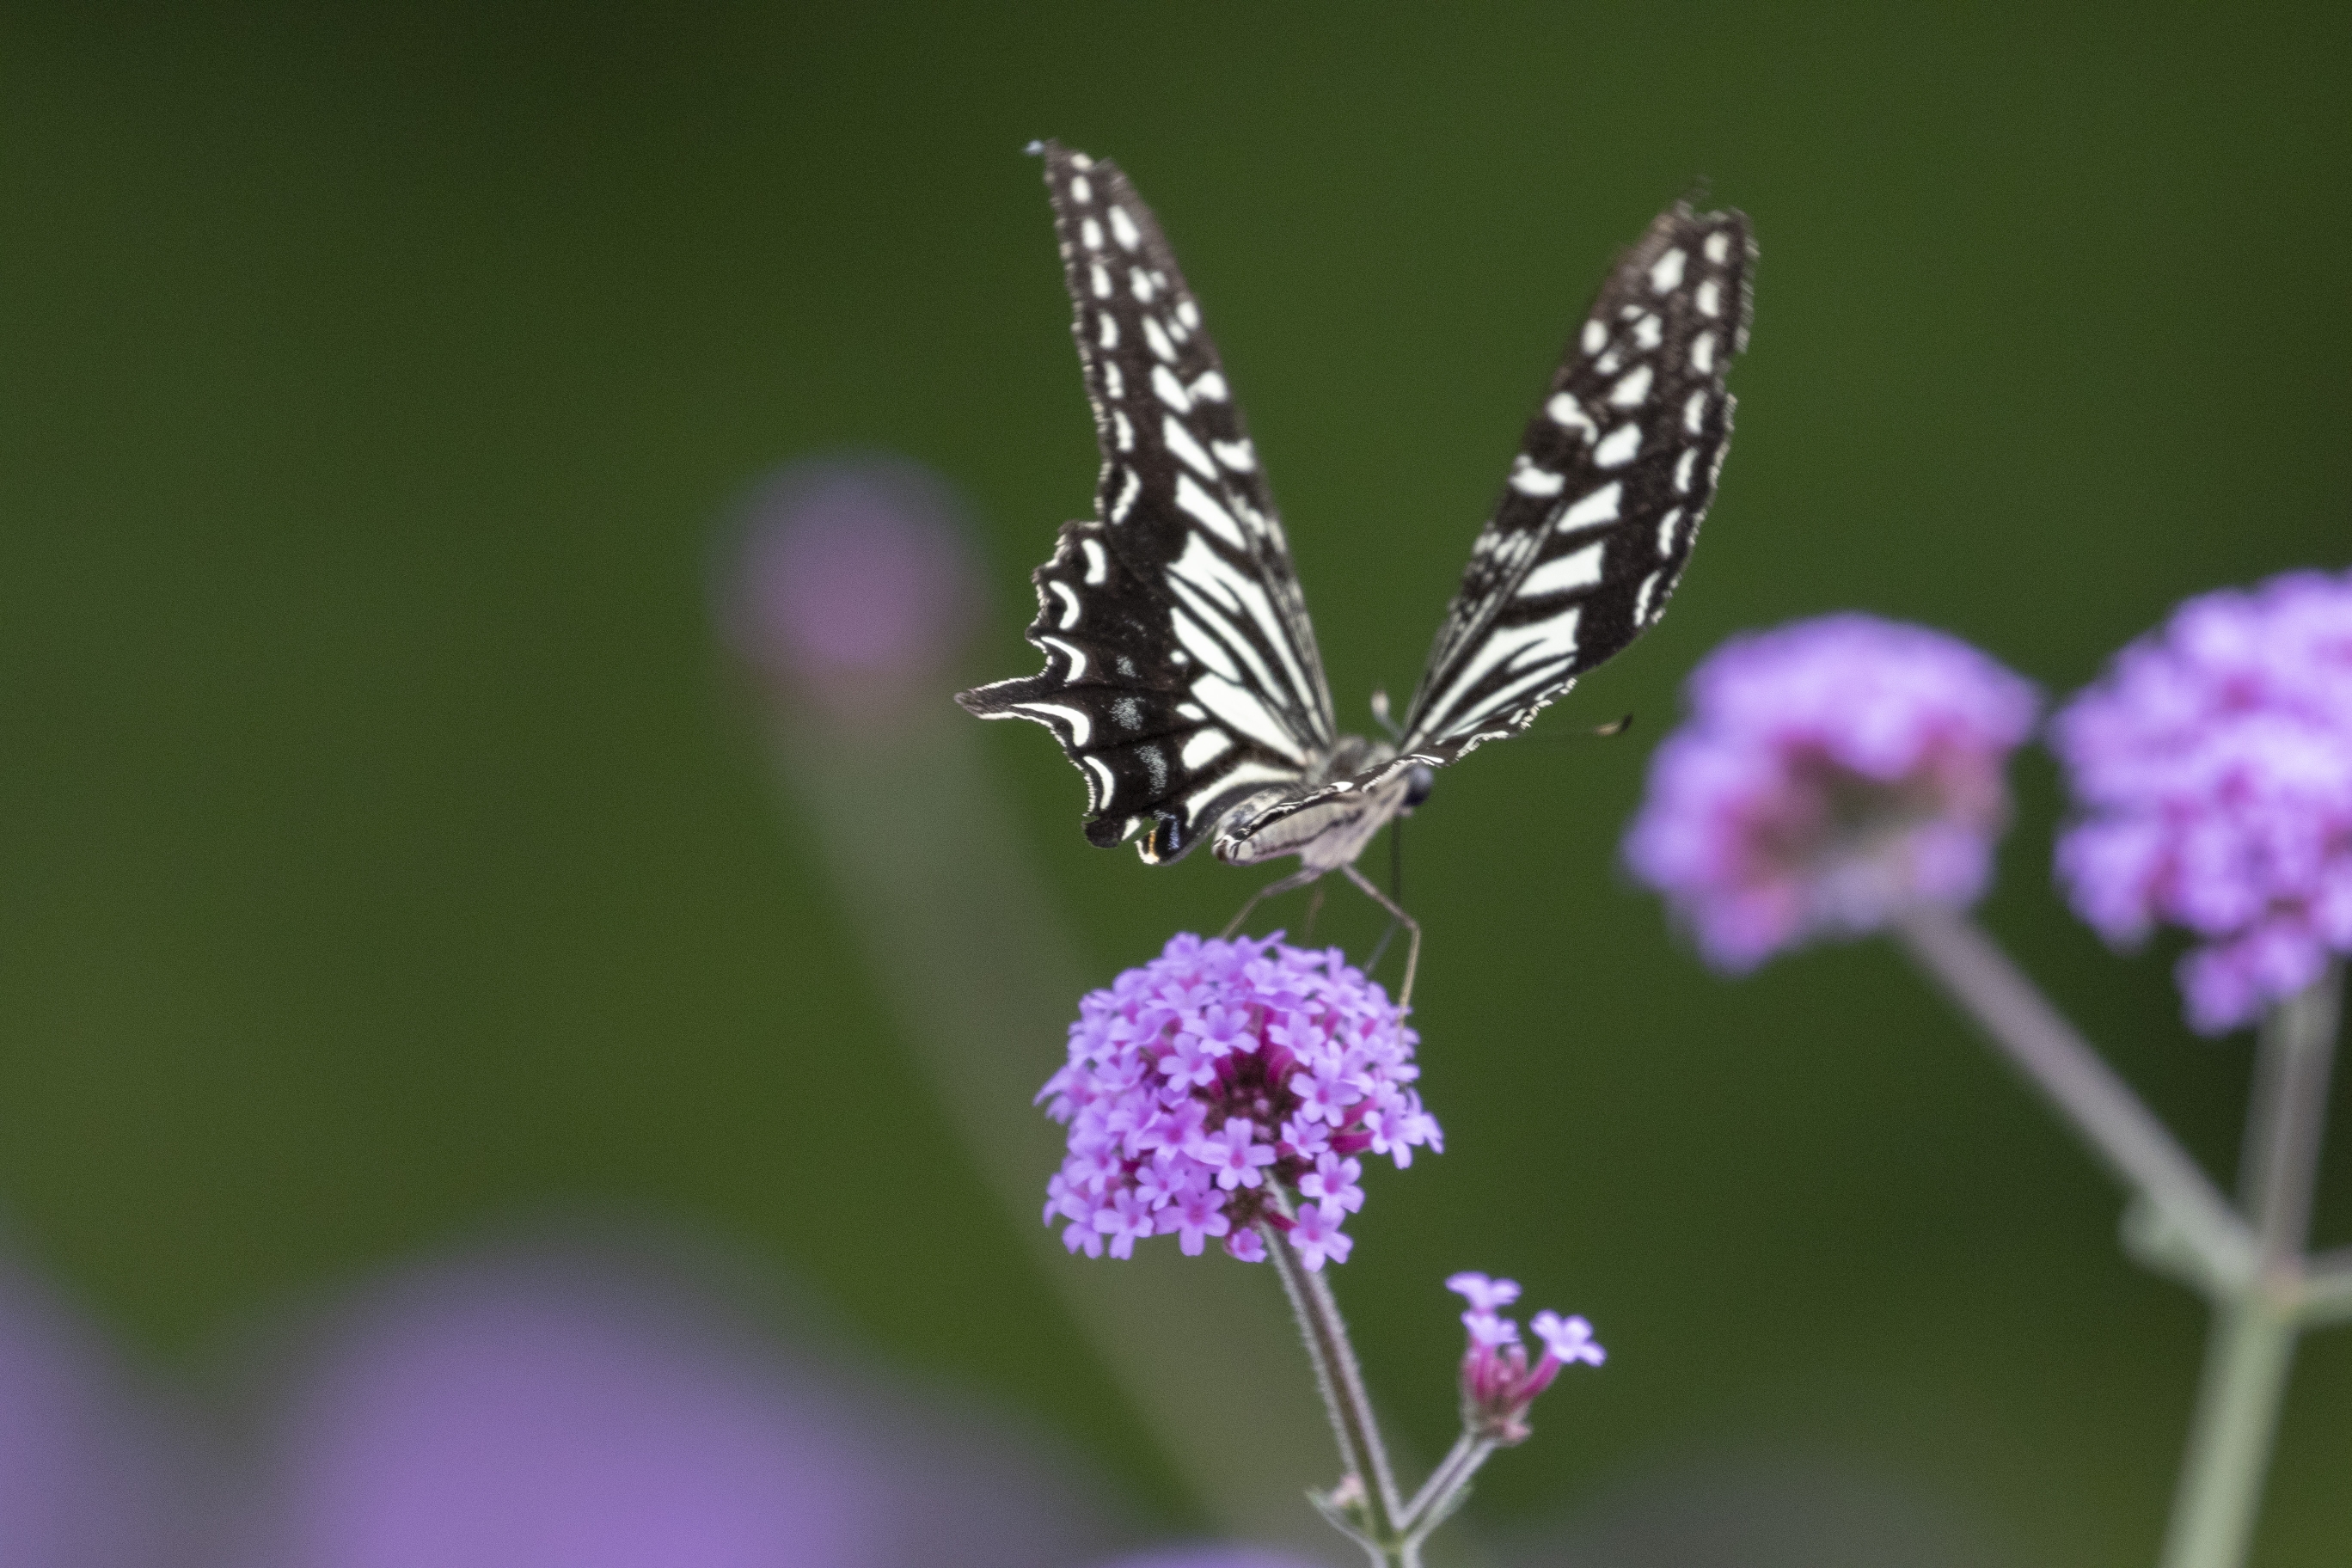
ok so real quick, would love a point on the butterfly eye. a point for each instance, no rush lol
(1417, 785)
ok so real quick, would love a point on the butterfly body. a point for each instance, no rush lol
(1182, 675)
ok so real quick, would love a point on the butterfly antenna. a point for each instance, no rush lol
(1396, 912)
(1609, 731)
(1382, 717)
(1314, 908)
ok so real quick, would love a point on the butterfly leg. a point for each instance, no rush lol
(1412, 928)
(1289, 884)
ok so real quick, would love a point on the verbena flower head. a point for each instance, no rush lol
(1831, 770)
(2212, 766)
(1223, 1084)
(1497, 1383)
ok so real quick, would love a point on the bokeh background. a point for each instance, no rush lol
(390, 848)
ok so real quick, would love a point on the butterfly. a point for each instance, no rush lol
(1182, 675)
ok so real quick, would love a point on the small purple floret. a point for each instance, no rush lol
(1831, 770)
(1497, 1383)
(1206, 1083)
(2212, 768)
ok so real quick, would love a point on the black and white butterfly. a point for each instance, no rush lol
(1182, 674)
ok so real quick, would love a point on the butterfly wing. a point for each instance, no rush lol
(1181, 675)
(1603, 503)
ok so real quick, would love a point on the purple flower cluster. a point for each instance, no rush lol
(1497, 1383)
(1831, 770)
(1208, 1086)
(2212, 767)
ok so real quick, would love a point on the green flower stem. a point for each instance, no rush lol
(1372, 1497)
(2195, 1223)
(2249, 1261)
(2252, 1344)
(1365, 1505)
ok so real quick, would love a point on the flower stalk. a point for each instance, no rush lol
(2249, 1260)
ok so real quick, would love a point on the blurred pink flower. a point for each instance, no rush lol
(1831, 770)
(849, 581)
(560, 1412)
(2211, 767)
(86, 1476)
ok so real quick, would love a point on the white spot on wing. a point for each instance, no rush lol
(1206, 747)
(1240, 709)
(1702, 354)
(1090, 232)
(1076, 655)
(1179, 441)
(1683, 470)
(1209, 385)
(1188, 312)
(1098, 560)
(1568, 414)
(1666, 530)
(1594, 339)
(1633, 388)
(1599, 507)
(1080, 191)
(1069, 597)
(1718, 246)
(1129, 488)
(1122, 432)
(1101, 281)
(1617, 447)
(1666, 271)
(1140, 282)
(1530, 480)
(1082, 728)
(1649, 332)
(1122, 226)
(1156, 336)
(1171, 390)
(1695, 412)
(1710, 299)
(1204, 506)
(1108, 336)
(1649, 588)
(1235, 455)
(1099, 771)
(1114, 379)
(1580, 569)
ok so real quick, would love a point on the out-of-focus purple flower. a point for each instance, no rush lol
(1831, 770)
(86, 1478)
(1215, 1067)
(1211, 1555)
(850, 583)
(2213, 769)
(1497, 1383)
(564, 1412)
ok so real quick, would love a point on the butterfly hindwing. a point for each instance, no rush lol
(1182, 675)
(1604, 500)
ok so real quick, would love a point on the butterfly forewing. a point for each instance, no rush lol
(1182, 674)
(1604, 498)
(1602, 505)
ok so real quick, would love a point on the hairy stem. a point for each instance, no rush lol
(1342, 1382)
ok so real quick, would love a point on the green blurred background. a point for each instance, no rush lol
(385, 845)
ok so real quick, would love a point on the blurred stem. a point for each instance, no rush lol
(2197, 1228)
(973, 956)
(2252, 1266)
(2252, 1343)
